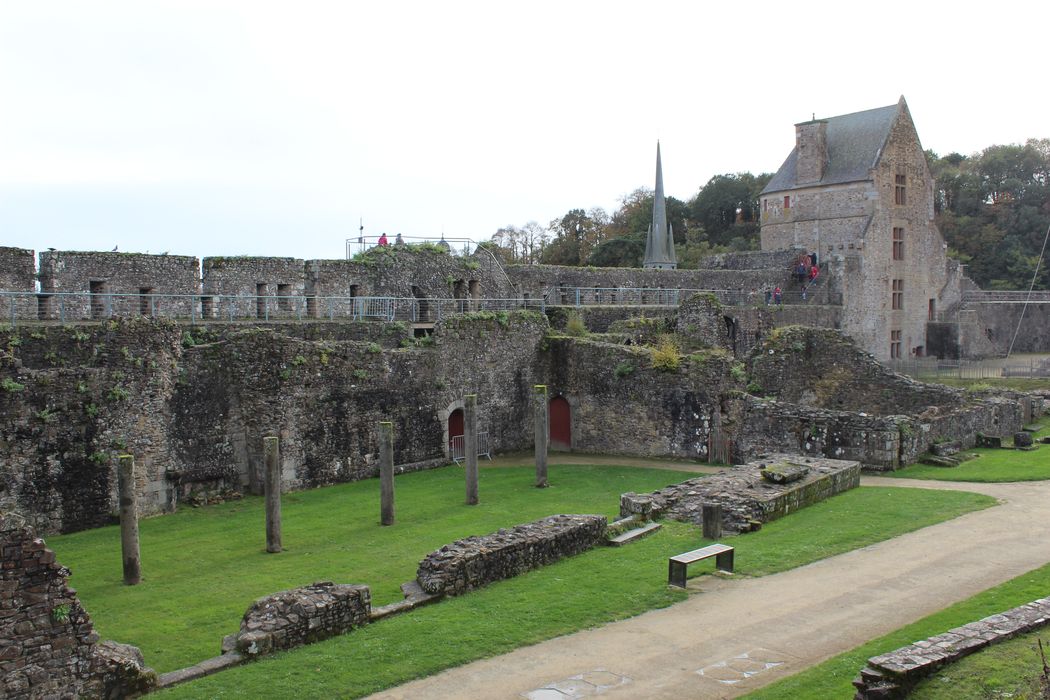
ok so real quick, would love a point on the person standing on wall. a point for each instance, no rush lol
(382, 240)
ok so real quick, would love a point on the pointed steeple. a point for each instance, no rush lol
(659, 244)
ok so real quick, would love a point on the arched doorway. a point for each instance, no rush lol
(560, 424)
(455, 428)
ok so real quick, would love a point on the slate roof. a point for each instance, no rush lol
(855, 142)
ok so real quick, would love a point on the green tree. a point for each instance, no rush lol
(727, 208)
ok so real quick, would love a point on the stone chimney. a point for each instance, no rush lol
(811, 142)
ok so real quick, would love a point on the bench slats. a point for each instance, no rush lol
(676, 565)
(702, 553)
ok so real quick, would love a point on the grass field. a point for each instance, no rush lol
(832, 678)
(202, 568)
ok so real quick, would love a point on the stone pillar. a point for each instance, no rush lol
(386, 473)
(711, 513)
(541, 419)
(272, 493)
(470, 446)
(129, 519)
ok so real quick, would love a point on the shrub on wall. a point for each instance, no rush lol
(666, 355)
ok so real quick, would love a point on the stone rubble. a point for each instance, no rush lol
(300, 616)
(475, 561)
(747, 499)
(894, 674)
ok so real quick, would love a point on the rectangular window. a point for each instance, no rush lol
(898, 295)
(898, 243)
(895, 345)
(900, 195)
(787, 201)
(933, 310)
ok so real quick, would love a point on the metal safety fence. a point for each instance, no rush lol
(458, 448)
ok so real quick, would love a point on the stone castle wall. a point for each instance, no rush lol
(261, 287)
(17, 274)
(113, 284)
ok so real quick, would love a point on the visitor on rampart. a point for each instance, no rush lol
(778, 296)
(382, 240)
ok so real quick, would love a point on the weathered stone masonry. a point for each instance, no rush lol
(475, 561)
(48, 646)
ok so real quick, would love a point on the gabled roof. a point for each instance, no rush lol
(855, 142)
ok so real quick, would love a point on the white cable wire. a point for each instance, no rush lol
(1029, 297)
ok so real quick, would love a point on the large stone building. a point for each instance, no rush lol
(856, 190)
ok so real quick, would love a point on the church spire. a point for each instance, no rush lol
(659, 244)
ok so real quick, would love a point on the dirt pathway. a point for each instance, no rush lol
(734, 635)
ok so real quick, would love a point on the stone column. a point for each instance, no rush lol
(386, 473)
(541, 419)
(711, 514)
(470, 446)
(272, 493)
(129, 519)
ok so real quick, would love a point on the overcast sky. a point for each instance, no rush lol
(226, 128)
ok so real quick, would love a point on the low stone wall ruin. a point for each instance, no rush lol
(48, 646)
(476, 561)
(300, 616)
(747, 499)
(893, 675)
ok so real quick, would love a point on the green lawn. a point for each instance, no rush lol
(991, 465)
(591, 589)
(832, 678)
(203, 567)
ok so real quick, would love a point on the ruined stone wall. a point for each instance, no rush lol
(406, 272)
(325, 398)
(48, 646)
(73, 398)
(622, 405)
(476, 561)
(193, 404)
(599, 319)
(998, 321)
(752, 324)
(17, 274)
(301, 616)
(535, 280)
(823, 369)
(759, 427)
(749, 260)
(109, 284)
(253, 287)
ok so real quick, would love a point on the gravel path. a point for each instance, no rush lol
(735, 635)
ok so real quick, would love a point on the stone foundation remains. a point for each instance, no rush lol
(48, 646)
(893, 675)
(300, 616)
(476, 561)
(747, 498)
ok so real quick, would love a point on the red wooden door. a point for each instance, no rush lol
(455, 425)
(560, 424)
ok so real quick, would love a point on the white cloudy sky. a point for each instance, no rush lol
(223, 128)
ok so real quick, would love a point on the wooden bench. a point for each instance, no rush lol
(676, 565)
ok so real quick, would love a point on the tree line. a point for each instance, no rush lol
(722, 216)
(992, 207)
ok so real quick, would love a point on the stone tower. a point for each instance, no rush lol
(659, 244)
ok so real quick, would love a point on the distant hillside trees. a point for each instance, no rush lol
(722, 216)
(993, 209)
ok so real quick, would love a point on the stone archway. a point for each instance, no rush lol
(451, 419)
